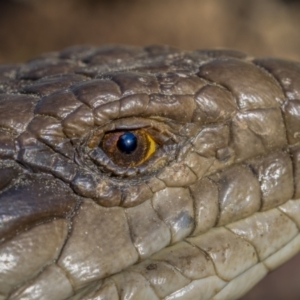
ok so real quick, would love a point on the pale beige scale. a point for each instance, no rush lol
(205, 204)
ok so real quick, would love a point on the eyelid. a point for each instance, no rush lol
(162, 149)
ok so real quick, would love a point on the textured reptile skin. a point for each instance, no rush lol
(206, 216)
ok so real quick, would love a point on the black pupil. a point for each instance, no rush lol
(127, 142)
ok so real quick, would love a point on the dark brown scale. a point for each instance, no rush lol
(81, 215)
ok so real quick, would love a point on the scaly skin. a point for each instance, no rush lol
(209, 213)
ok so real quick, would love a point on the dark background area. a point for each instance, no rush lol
(260, 28)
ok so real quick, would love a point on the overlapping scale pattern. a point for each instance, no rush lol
(208, 219)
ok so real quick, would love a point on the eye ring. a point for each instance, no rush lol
(161, 146)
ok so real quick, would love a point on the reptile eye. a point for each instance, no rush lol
(128, 148)
(127, 142)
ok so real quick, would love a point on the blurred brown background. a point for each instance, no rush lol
(269, 27)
